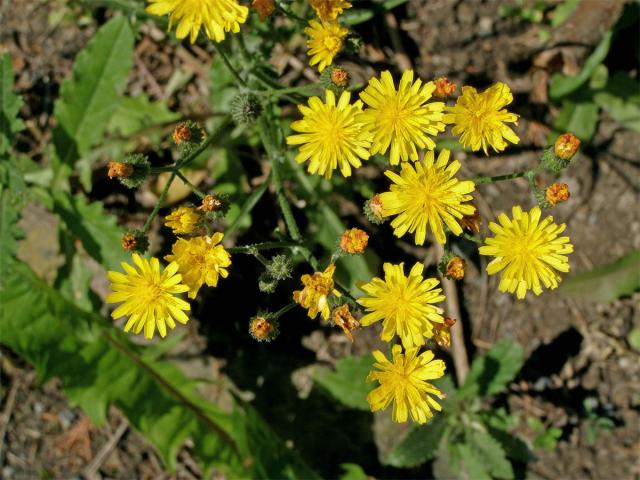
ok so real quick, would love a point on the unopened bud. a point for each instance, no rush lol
(442, 332)
(119, 170)
(246, 108)
(340, 77)
(181, 134)
(267, 284)
(557, 193)
(343, 318)
(132, 171)
(455, 268)
(354, 241)
(444, 88)
(472, 222)
(263, 329)
(188, 134)
(373, 210)
(264, 8)
(280, 267)
(135, 241)
(566, 146)
(211, 203)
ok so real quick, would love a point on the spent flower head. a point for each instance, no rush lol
(557, 193)
(566, 146)
(354, 241)
(343, 318)
(329, 9)
(315, 294)
(263, 328)
(444, 88)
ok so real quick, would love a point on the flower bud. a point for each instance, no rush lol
(135, 241)
(373, 210)
(280, 267)
(263, 329)
(354, 241)
(566, 146)
(340, 77)
(136, 167)
(472, 222)
(557, 193)
(444, 88)
(342, 317)
(455, 268)
(119, 170)
(264, 8)
(246, 108)
(211, 203)
(188, 134)
(267, 284)
(442, 332)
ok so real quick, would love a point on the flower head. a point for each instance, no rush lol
(566, 146)
(329, 9)
(343, 318)
(442, 332)
(315, 294)
(325, 41)
(528, 252)
(354, 241)
(405, 383)
(330, 135)
(148, 296)
(183, 221)
(425, 194)
(404, 304)
(215, 16)
(401, 119)
(200, 260)
(455, 268)
(480, 118)
(557, 193)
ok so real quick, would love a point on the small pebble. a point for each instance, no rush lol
(66, 417)
(38, 408)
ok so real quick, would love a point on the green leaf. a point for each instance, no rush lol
(347, 382)
(563, 11)
(606, 283)
(12, 200)
(634, 339)
(10, 104)
(97, 230)
(562, 85)
(473, 463)
(247, 206)
(89, 98)
(98, 367)
(353, 471)
(356, 16)
(493, 455)
(420, 445)
(491, 373)
(621, 99)
(579, 118)
(136, 113)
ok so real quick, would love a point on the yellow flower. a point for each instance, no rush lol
(428, 194)
(404, 304)
(148, 296)
(330, 135)
(314, 296)
(528, 251)
(480, 119)
(200, 260)
(329, 9)
(401, 119)
(325, 41)
(215, 16)
(183, 221)
(404, 382)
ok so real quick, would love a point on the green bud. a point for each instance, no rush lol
(141, 169)
(373, 210)
(266, 284)
(246, 108)
(280, 267)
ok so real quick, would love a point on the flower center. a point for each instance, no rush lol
(331, 43)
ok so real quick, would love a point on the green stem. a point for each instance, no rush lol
(227, 62)
(250, 249)
(499, 178)
(474, 239)
(195, 189)
(159, 203)
(282, 311)
(289, 14)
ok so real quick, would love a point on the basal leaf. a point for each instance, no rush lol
(347, 382)
(420, 445)
(12, 200)
(98, 367)
(606, 283)
(562, 85)
(89, 98)
(473, 463)
(621, 99)
(491, 373)
(97, 230)
(492, 453)
(580, 118)
(10, 104)
(135, 113)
